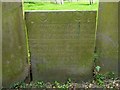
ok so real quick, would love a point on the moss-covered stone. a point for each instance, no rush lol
(14, 52)
(119, 39)
(107, 37)
(61, 44)
(0, 45)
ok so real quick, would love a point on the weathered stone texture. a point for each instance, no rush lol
(107, 37)
(0, 45)
(14, 52)
(61, 44)
(119, 39)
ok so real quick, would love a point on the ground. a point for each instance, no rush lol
(113, 84)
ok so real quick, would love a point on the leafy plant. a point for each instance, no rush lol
(97, 68)
(40, 84)
(100, 79)
(16, 85)
(110, 75)
(56, 84)
(64, 86)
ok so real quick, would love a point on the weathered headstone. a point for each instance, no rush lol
(61, 44)
(59, 1)
(14, 52)
(107, 37)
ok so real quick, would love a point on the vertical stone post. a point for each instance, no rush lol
(14, 51)
(107, 37)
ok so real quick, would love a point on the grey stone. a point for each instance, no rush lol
(0, 45)
(14, 51)
(61, 44)
(119, 39)
(107, 37)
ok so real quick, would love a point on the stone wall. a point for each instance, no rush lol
(14, 52)
(61, 44)
(107, 37)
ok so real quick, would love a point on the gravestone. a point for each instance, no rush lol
(14, 52)
(107, 37)
(61, 44)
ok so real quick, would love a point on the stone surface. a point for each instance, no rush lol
(14, 52)
(0, 45)
(61, 44)
(119, 38)
(107, 37)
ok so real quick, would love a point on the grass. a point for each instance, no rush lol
(65, 6)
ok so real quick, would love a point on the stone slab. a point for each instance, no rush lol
(61, 44)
